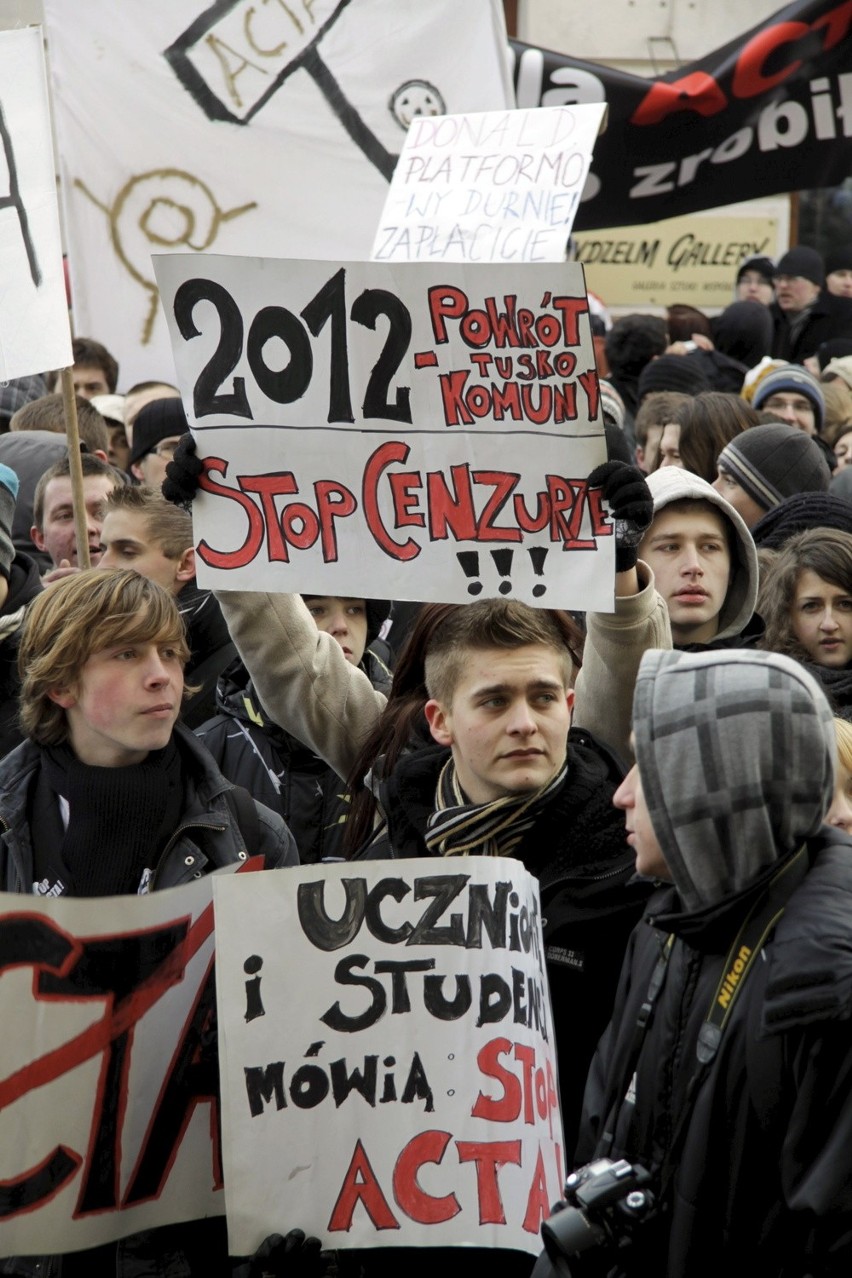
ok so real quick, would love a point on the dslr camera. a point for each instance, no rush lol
(604, 1202)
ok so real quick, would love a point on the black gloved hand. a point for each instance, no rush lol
(183, 473)
(293, 1256)
(632, 507)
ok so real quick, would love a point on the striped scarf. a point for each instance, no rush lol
(459, 828)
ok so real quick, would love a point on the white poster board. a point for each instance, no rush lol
(35, 334)
(408, 432)
(496, 186)
(236, 126)
(107, 1125)
(386, 1048)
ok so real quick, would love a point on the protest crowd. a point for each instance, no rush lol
(664, 771)
(674, 773)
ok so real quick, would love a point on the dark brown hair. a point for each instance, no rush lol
(824, 551)
(707, 423)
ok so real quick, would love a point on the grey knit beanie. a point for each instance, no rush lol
(775, 461)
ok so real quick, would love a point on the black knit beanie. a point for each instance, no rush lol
(798, 513)
(743, 331)
(803, 261)
(672, 373)
(775, 461)
(839, 259)
(761, 265)
(161, 419)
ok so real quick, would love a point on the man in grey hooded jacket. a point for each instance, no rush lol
(726, 1071)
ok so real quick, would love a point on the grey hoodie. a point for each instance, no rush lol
(671, 484)
(736, 754)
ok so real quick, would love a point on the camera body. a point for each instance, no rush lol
(604, 1202)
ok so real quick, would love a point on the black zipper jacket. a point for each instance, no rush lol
(590, 897)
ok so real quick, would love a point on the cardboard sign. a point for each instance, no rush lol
(34, 331)
(414, 432)
(108, 1103)
(386, 1047)
(499, 186)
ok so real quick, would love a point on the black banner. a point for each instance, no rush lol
(770, 112)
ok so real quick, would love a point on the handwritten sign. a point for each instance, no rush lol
(388, 1071)
(34, 330)
(417, 432)
(497, 186)
(180, 162)
(108, 1103)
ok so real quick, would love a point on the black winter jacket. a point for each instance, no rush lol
(763, 1180)
(829, 317)
(24, 585)
(206, 839)
(590, 898)
(275, 768)
(211, 650)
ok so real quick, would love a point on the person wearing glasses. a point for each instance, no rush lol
(156, 434)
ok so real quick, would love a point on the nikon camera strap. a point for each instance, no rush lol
(744, 952)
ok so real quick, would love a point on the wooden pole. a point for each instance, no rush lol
(75, 467)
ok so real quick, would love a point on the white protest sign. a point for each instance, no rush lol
(495, 186)
(108, 1106)
(34, 331)
(240, 126)
(412, 432)
(387, 1060)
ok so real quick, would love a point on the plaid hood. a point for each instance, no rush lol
(673, 483)
(736, 752)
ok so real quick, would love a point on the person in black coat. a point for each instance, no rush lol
(504, 777)
(20, 582)
(804, 313)
(110, 795)
(726, 1070)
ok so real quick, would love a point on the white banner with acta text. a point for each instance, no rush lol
(386, 1047)
(238, 127)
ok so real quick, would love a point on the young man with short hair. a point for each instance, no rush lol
(110, 794)
(144, 532)
(653, 414)
(703, 558)
(94, 370)
(504, 778)
(53, 531)
(141, 530)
